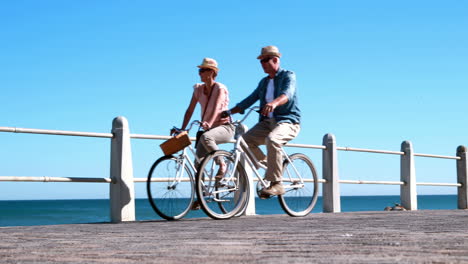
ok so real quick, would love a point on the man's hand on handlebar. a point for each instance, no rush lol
(267, 109)
(234, 110)
(225, 114)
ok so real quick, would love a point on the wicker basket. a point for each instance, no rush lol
(175, 143)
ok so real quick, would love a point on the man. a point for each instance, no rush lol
(279, 116)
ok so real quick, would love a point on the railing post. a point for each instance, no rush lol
(462, 177)
(251, 210)
(408, 195)
(122, 191)
(331, 188)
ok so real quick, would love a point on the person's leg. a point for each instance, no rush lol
(256, 136)
(208, 143)
(210, 140)
(281, 133)
(279, 136)
(201, 153)
(217, 135)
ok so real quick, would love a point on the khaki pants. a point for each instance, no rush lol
(268, 132)
(210, 139)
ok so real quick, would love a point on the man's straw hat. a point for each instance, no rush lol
(269, 51)
(209, 63)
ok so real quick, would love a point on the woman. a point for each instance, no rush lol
(213, 99)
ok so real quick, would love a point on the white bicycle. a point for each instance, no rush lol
(226, 197)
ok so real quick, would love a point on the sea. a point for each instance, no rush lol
(56, 212)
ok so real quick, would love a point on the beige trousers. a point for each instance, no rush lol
(268, 132)
(210, 139)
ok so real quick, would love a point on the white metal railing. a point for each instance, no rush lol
(371, 150)
(54, 132)
(121, 179)
(60, 133)
(401, 153)
(407, 181)
(53, 179)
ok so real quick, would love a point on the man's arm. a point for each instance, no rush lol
(248, 101)
(271, 106)
(287, 91)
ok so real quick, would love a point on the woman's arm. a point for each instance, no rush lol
(189, 112)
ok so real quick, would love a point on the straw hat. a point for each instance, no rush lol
(269, 51)
(209, 63)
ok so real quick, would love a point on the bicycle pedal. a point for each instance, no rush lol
(220, 200)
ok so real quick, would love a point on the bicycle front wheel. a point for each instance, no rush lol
(224, 198)
(301, 185)
(170, 187)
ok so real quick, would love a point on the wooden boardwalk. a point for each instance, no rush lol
(439, 236)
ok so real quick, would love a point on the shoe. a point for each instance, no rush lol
(264, 196)
(274, 189)
(221, 171)
(195, 206)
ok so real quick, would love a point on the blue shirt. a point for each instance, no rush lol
(285, 83)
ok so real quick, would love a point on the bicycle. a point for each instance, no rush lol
(170, 183)
(299, 179)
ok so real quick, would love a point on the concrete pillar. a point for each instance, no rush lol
(408, 195)
(122, 191)
(462, 177)
(331, 189)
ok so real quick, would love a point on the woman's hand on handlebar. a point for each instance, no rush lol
(175, 131)
(205, 125)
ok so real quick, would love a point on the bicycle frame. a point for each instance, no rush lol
(241, 150)
(185, 158)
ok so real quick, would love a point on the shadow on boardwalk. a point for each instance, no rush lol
(360, 237)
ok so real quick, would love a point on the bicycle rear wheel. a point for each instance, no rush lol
(170, 188)
(228, 197)
(300, 196)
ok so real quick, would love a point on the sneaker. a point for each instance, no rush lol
(263, 196)
(221, 171)
(274, 189)
(195, 206)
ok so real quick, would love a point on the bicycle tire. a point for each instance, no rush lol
(299, 201)
(171, 200)
(227, 199)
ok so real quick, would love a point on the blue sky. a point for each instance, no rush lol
(373, 73)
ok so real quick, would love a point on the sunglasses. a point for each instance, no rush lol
(266, 60)
(203, 70)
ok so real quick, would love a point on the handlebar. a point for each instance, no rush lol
(228, 113)
(178, 130)
(256, 109)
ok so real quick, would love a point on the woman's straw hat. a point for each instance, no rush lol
(209, 63)
(269, 51)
